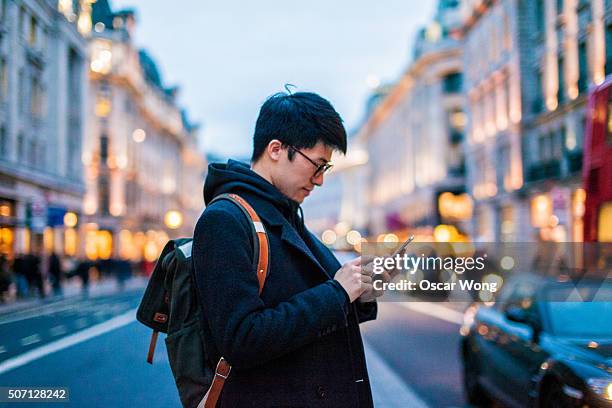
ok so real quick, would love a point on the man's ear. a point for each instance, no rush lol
(275, 149)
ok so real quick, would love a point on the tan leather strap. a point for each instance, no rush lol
(223, 368)
(212, 395)
(152, 346)
(262, 263)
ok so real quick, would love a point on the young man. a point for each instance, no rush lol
(297, 344)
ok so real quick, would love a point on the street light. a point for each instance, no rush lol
(139, 135)
(173, 219)
(70, 219)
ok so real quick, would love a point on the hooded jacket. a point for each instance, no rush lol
(298, 343)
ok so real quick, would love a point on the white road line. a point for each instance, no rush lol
(76, 338)
(57, 330)
(388, 389)
(26, 341)
(435, 310)
(52, 309)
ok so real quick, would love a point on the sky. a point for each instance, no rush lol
(227, 57)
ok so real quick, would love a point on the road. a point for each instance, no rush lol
(94, 347)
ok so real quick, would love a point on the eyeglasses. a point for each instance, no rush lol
(321, 168)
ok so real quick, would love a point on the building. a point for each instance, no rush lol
(528, 65)
(566, 48)
(414, 140)
(493, 90)
(143, 170)
(43, 59)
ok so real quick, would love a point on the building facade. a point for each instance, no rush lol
(43, 59)
(566, 48)
(143, 170)
(414, 140)
(493, 90)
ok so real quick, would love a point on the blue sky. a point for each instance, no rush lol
(228, 56)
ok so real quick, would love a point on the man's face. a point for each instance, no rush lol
(295, 178)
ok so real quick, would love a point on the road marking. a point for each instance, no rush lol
(76, 338)
(26, 341)
(80, 323)
(388, 389)
(52, 309)
(435, 310)
(58, 330)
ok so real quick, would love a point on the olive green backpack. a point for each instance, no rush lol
(170, 305)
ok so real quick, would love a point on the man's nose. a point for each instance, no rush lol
(318, 180)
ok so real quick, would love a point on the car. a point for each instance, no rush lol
(545, 342)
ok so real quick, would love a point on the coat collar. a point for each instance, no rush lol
(271, 216)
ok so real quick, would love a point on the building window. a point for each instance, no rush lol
(22, 91)
(583, 68)
(561, 70)
(33, 32)
(609, 49)
(453, 83)
(103, 149)
(20, 147)
(507, 32)
(540, 16)
(36, 101)
(3, 79)
(3, 9)
(3, 142)
(32, 153)
(503, 167)
(22, 21)
(560, 6)
(538, 100)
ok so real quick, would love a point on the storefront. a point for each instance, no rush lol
(8, 224)
(557, 214)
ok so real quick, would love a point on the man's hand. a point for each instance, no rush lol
(352, 280)
(367, 271)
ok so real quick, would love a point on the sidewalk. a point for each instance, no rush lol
(72, 288)
(388, 389)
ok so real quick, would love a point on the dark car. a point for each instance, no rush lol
(544, 343)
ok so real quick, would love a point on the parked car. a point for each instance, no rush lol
(544, 343)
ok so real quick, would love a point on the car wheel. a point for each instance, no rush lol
(554, 397)
(474, 392)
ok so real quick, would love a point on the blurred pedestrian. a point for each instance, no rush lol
(55, 273)
(123, 271)
(34, 274)
(5, 277)
(19, 269)
(82, 271)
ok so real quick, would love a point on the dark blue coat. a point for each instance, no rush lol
(298, 344)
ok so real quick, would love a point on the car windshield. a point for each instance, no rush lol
(585, 312)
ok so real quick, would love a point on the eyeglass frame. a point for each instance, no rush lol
(321, 168)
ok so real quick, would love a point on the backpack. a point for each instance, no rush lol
(170, 305)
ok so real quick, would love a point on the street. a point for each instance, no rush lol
(95, 347)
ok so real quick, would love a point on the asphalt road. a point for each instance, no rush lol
(94, 347)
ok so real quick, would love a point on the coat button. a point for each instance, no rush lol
(321, 392)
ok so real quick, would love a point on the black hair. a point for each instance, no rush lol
(300, 120)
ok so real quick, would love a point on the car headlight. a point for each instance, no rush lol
(601, 386)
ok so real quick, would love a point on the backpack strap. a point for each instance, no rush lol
(260, 236)
(262, 252)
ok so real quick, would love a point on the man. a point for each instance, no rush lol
(298, 344)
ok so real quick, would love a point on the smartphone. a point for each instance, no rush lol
(404, 245)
